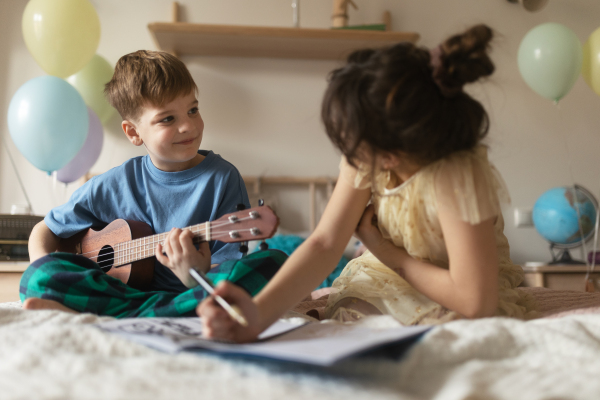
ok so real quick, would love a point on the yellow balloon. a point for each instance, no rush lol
(591, 61)
(62, 35)
(90, 81)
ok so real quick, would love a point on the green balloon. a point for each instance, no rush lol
(550, 59)
(90, 81)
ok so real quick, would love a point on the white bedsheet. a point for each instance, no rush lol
(54, 355)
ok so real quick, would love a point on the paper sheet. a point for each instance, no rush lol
(290, 340)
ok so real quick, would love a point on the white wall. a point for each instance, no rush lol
(263, 114)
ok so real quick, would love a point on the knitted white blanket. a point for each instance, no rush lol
(54, 355)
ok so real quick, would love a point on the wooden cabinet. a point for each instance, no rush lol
(10, 276)
(560, 277)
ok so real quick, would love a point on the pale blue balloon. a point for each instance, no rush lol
(48, 122)
(550, 59)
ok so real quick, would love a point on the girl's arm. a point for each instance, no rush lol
(308, 266)
(469, 286)
(316, 258)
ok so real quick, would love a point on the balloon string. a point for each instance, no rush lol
(574, 188)
(12, 162)
(590, 265)
(590, 269)
(51, 181)
(65, 197)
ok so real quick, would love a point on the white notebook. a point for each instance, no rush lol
(289, 340)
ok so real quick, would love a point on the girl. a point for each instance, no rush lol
(410, 137)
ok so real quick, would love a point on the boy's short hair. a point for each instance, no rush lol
(147, 77)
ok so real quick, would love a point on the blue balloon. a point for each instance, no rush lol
(48, 122)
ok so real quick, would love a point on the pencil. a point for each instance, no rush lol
(207, 284)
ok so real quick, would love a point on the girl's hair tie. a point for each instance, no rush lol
(436, 61)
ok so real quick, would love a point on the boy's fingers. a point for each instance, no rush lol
(186, 237)
(204, 248)
(186, 243)
(159, 254)
(174, 240)
(166, 246)
(186, 233)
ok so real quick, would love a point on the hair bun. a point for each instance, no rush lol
(465, 57)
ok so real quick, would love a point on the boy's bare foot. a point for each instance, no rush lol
(44, 304)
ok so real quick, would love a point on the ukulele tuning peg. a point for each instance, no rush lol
(240, 207)
(263, 245)
(261, 202)
(244, 248)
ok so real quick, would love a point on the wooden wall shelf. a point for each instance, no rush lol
(184, 39)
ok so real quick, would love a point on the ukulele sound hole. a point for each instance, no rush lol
(106, 258)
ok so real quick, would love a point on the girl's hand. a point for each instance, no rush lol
(216, 322)
(368, 231)
(181, 255)
(369, 234)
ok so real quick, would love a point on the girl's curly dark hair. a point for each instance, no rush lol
(390, 100)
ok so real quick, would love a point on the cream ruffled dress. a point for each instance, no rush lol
(408, 216)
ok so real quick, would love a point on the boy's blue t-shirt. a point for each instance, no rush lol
(139, 191)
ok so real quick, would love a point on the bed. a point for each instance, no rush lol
(55, 355)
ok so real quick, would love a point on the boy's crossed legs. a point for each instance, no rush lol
(68, 282)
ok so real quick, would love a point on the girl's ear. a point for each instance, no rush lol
(131, 132)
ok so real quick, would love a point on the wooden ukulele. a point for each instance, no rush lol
(126, 249)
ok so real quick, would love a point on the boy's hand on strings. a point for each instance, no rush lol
(218, 324)
(368, 230)
(179, 254)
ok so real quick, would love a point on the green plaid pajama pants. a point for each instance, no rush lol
(80, 284)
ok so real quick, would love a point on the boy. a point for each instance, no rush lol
(175, 185)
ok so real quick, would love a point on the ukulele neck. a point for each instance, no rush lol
(139, 249)
(251, 224)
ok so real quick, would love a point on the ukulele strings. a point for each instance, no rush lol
(139, 252)
(150, 246)
(201, 230)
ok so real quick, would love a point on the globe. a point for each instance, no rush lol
(565, 216)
